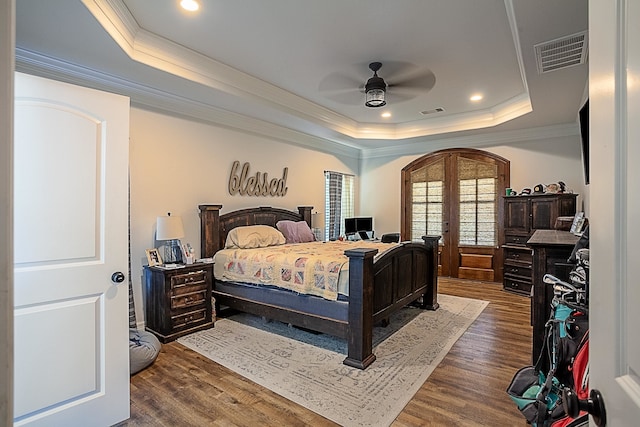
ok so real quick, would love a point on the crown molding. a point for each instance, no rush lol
(491, 139)
(157, 100)
(157, 52)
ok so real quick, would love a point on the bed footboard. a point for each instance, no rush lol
(401, 276)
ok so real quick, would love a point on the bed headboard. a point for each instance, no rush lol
(215, 227)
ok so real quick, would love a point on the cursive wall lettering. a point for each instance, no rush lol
(256, 185)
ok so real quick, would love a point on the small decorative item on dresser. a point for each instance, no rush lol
(153, 257)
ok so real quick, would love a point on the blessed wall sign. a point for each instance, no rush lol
(241, 182)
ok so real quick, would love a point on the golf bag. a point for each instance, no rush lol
(538, 394)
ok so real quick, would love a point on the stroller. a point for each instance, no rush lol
(550, 399)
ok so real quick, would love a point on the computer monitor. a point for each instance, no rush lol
(350, 226)
(364, 224)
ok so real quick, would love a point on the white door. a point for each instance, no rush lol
(614, 88)
(71, 354)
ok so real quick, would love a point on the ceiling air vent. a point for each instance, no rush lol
(435, 110)
(562, 53)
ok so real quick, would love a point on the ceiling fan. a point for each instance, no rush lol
(404, 81)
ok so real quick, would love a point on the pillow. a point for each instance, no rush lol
(254, 236)
(296, 232)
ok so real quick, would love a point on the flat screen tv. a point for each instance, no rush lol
(584, 135)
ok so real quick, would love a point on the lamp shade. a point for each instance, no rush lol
(169, 227)
(317, 220)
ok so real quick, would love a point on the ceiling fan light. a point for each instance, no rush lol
(375, 98)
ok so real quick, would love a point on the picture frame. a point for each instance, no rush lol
(578, 223)
(153, 257)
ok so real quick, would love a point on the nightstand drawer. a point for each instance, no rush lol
(188, 299)
(181, 280)
(188, 318)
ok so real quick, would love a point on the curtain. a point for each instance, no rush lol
(339, 202)
(333, 190)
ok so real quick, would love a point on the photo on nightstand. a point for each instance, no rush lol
(153, 256)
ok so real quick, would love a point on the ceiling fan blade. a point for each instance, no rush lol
(395, 98)
(423, 80)
(339, 82)
(347, 98)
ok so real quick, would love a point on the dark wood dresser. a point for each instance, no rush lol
(523, 216)
(551, 250)
(178, 300)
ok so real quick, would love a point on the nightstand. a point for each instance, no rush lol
(178, 300)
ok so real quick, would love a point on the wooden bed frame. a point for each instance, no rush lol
(376, 290)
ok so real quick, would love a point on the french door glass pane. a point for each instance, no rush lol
(427, 199)
(478, 203)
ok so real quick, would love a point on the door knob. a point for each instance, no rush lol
(117, 277)
(594, 405)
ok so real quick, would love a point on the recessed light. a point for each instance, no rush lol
(386, 114)
(476, 98)
(190, 5)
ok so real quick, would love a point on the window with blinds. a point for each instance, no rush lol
(477, 189)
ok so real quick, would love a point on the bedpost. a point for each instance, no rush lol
(305, 213)
(430, 298)
(360, 333)
(209, 230)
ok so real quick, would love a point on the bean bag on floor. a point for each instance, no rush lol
(143, 350)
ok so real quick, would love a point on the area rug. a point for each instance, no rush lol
(307, 368)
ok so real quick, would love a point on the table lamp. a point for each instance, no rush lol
(170, 229)
(317, 224)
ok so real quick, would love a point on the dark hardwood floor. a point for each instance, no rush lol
(183, 388)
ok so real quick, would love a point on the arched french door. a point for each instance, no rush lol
(456, 194)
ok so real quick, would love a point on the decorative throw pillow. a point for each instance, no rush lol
(254, 236)
(296, 232)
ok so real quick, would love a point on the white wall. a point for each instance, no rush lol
(177, 164)
(532, 163)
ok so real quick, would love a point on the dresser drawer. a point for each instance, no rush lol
(516, 239)
(516, 285)
(517, 270)
(521, 255)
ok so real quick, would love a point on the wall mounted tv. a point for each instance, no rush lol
(583, 117)
(355, 225)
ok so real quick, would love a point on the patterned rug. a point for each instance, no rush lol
(307, 368)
